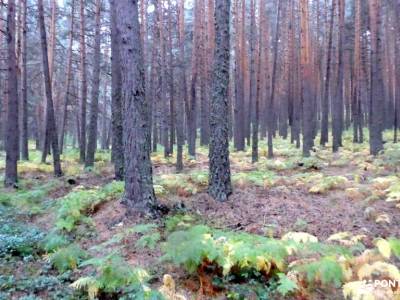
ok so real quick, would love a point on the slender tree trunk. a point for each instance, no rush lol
(220, 177)
(258, 92)
(337, 113)
(116, 97)
(139, 193)
(182, 87)
(51, 125)
(94, 105)
(82, 49)
(325, 97)
(273, 83)
(24, 85)
(171, 80)
(68, 78)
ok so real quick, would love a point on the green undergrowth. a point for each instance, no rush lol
(244, 264)
(75, 207)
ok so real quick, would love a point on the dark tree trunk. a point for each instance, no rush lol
(220, 175)
(94, 105)
(257, 77)
(337, 111)
(68, 78)
(51, 122)
(306, 80)
(11, 174)
(182, 87)
(271, 113)
(116, 98)
(376, 107)
(82, 146)
(24, 85)
(325, 96)
(139, 193)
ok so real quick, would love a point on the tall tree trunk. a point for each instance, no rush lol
(182, 87)
(139, 192)
(11, 174)
(82, 49)
(171, 80)
(68, 78)
(376, 106)
(258, 79)
(51, 122)
(220, 176)
(116, 97)
(273, 83)
(24, 85)
(325, 97)
(337, 112)
(306, 79)
(94, 105)
(239, 114)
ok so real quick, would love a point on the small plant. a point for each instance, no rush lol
(114, 276)
(328, 183)
(178, 222)
(78, 204)
(54, 241)
(67, 258)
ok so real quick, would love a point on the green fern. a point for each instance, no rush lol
(149, 240)
(53, 241)
(326, 270)
(285, 285)
(114, 276)
(67, 258)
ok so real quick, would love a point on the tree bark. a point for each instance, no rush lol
(139, 193)
(68, 78)
(377, 89)
(11, 173)
(182, 87)
(51, 123)
(94, 105)
(116, 97)
(24, 85)
(82, 49)
(220, 177)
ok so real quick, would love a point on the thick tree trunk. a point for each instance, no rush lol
(11, 174)
(220, 177)
(116, 97)
(94, 105)
(139, 193)
(51, 122)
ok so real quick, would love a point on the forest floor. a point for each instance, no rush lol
(55, 231)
